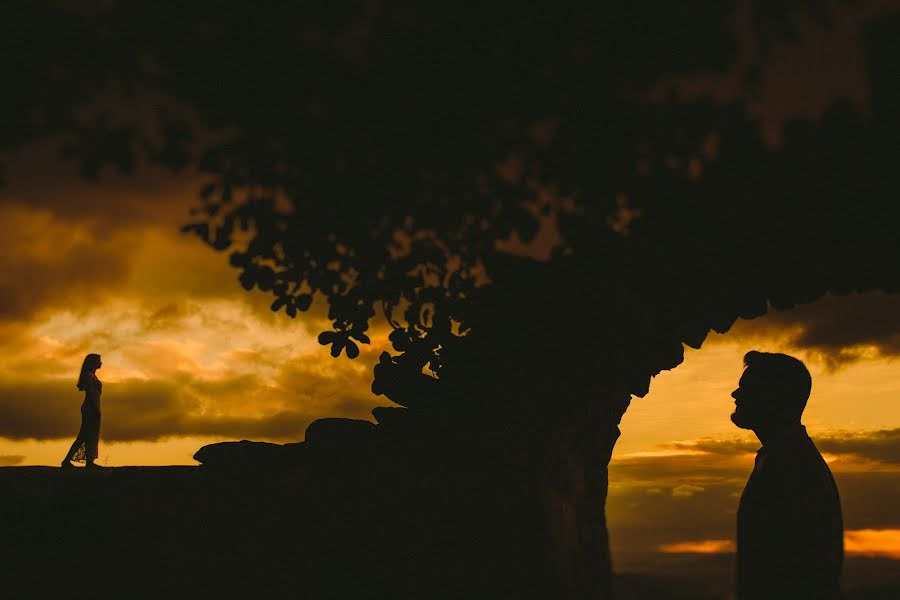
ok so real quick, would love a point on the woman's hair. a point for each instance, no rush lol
(89, 364)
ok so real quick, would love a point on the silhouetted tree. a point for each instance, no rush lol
(380, 154)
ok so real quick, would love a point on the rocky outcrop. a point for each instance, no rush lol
(339, 434)
(323, 436)
(512, 507)
(250, 455)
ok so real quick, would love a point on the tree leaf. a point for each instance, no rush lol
(303, 301)
(246, 279)
(361, 337)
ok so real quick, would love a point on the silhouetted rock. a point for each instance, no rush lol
(247, 454)
(333, 435)
(338, 434)
(390, 415)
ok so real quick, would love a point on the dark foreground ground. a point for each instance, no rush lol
(177, 532)
(710, 577)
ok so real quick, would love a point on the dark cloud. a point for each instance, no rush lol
(180, 406)
(71, 244)
(328, 381)
(727, 447)
(39, 410)
(38, 177)
(177, 274)
(879, 445)
(672, 470)
(116, 238)
(56, 269)
(839, 329)
(168, 316)
(11, 460)
(869, 500)
(642, 518)
(149, 410)
(882, 446)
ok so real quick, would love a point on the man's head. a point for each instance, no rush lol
(772, 391)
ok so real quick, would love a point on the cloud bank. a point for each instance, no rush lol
(837, 329)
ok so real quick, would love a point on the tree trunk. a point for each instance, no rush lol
(573, 492)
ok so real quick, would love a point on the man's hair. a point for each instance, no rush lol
(787, 378)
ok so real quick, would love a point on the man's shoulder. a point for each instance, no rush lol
(797, 475)
(796, 461)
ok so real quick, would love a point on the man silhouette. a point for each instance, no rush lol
(789, 530)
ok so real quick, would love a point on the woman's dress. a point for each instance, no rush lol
(89, 434)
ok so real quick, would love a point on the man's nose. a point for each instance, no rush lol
(734, 394)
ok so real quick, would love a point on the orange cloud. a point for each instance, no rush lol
(838, 330)
(883, 543)
(699, 547)
(861, 451)
(11, 460)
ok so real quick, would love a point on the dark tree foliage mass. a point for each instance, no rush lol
(379, 153)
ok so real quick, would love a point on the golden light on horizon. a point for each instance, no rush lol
(699, 547)
(883, 543)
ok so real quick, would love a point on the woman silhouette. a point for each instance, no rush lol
(85, 445)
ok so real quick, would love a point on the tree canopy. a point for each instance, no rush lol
(386, 158)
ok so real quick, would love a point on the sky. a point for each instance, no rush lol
(190, 358)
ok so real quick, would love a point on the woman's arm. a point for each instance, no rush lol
(93, 393)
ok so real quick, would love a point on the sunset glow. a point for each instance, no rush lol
(699, 547)
(883, 543)
(873, 542)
